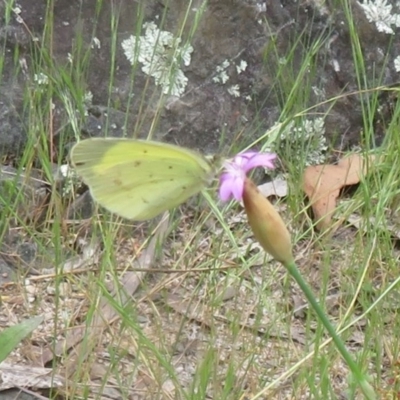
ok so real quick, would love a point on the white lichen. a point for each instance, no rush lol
(261, 7)
(221, 74)
(88, 98)
(241, 66)
(161, 56)
(96, 44)
(17, 11)
(234, 90)
(65, 171)
(304, 142)
(69, 177)
(41, 79)
(319, 92)
(380, 12)
(397, 64)
(222, 77)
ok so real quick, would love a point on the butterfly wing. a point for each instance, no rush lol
(139, 179)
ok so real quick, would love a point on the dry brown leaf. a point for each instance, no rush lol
(322, 184)
(12, 375)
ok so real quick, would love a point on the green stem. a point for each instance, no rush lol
(358, 375)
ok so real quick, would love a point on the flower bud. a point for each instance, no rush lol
(266, 224)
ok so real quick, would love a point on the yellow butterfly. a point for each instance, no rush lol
(139, 179)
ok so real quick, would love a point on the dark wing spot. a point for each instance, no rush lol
(170, 167)
(145, 151)
(184, 187)
(117, 182)
(137, 163)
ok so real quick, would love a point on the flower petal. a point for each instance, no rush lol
(241, 159)
(225, 187)
(260, 160)
(232, 180)
(237, 188)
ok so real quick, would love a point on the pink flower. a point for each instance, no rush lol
(232, 181)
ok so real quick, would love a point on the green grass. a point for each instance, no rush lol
(214, 316)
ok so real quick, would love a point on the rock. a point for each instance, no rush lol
(7, 273)
(104, 121)
(13, 132)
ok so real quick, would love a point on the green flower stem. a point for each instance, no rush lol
(357, 374)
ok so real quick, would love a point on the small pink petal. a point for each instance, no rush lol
(237, 188)
(232, 180)
(242, 159)
(260, 160)
(225, 187)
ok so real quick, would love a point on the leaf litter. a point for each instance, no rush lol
(226, 308)
(322, 184)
